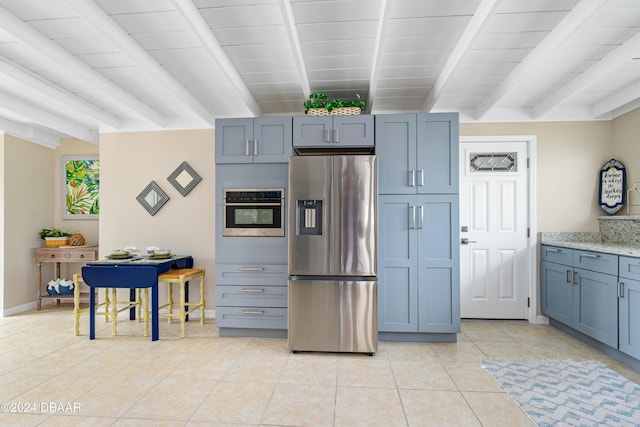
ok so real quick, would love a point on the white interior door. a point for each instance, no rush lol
(494, 220)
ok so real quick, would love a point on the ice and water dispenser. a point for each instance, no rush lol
(310, 217)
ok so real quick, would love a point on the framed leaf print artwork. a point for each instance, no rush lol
(80, 187)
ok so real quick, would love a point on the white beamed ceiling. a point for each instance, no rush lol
(76, 68)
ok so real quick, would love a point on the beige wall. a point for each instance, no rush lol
(28, 207)
(569, 156)
(626, 135)
(186, 225)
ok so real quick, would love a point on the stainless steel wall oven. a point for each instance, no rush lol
(253, 212)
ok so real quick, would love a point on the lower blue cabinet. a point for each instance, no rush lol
(251, 296)
(583, 299)
(595, 305)
(418, 264)
(629, 306)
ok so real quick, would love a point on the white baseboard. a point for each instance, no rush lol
(542, 320)
(19, 309)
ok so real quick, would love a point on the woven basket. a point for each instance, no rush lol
(343, 111)
(56, 242)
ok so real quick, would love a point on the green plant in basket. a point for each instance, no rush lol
(52, 232)
(319, 100)
(316, 100)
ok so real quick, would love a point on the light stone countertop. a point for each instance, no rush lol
(588, 242)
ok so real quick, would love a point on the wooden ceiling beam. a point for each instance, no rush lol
(198, 25)
(527, 68)
(48, 119)
(57, 57)
(483, 13)
(600, 70)
(103, 23)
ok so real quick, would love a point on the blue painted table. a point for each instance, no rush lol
(134, 273)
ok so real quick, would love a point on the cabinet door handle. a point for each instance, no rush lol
(412, 218)
(246, 147)
(569, 276)
(553, 250)
(412, 178)
(252, 291)
(421, 180)
(253, 312)
(81, 256)
(574, 278)
(255, 147)
(326, 136)
(53, 255)
(620, 289)
(335, 133)
(251, 268)
(421, 217)
(592, 256)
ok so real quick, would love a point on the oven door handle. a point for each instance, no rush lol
(252, 204)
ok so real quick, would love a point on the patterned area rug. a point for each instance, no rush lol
(567, 393)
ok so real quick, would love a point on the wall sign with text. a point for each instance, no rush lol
(613, 186)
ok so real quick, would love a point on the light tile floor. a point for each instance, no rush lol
(203, 379)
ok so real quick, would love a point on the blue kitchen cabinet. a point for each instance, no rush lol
(418, 153)
(438, 266)
(629, 306)
(259, 140)
(418, 212)
(556, 292)
(397, 265)
(579, 289)
(333, 131)
(418, 274)
(251, 299)
(595, 305)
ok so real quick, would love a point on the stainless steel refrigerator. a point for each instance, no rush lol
(333, 301)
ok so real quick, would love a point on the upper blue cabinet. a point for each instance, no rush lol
(333, 131)
(259, 140)
(417, 153)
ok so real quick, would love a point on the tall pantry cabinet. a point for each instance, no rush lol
(418, 255)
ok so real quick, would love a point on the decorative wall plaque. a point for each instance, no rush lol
(613, 186)
(184, 178)
(152, 198)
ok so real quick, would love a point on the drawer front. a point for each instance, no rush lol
(251, 296)
(82, 256)
(52, 255)
(596, 261)
(251, 317)
(556, 254)
(251, 275)
(629, 267)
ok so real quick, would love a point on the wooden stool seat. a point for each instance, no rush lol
(182, 277)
